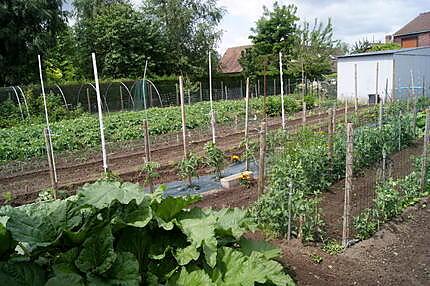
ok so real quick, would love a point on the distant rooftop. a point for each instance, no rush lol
(230, 61)
(417, 25)
(386, 52)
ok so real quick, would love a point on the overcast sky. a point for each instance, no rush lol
(353, 19)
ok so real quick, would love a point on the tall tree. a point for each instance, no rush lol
(122, 39)
(275, 31)
(314, 50)
(27, 27)
(191, 30)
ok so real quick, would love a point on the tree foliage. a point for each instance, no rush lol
(122, 39)
(27, 28)
(276, 31)
(190, 30)
(306, 45)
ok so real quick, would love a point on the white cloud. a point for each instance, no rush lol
(353, 20)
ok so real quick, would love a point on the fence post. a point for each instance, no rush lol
(261, 167)
(424, 156)
(222, 90)
(348, 183)
(48, 147)
(147, 149)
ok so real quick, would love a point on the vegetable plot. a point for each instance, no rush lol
(24, 142)
(115, 234)
(302, 170)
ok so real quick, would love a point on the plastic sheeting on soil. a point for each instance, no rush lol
(205, 183)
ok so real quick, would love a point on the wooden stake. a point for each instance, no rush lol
(304, 113)
(48, 146)
(261, 166)
(333, 119)
(147, 149)
(348, 183)
(184, 128)
(246, 122)
(346, 112)
(281, 79)
(384, 164)
(414, 105)
(424, 159)
(212, 112)
(290, 193)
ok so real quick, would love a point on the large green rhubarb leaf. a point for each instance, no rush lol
(199, 228)
(103, 194)
(194, 278)
(167, 209)
(233, 222)
(21, 274)
(269, 251)
(97, 255)
(125, 272)
(40, 224)
(235, 268)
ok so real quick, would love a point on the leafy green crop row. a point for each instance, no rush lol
(115, 234)
(303, 168)
(392, 197)
(24, 142)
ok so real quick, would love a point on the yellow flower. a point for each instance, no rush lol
(235, 158)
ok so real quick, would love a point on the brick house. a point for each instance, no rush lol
(229, 63)
(414, 34)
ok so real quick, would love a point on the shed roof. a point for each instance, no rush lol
(386, 52)
(230, 61)
(417, 25)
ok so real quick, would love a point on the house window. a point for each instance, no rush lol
(410, 42)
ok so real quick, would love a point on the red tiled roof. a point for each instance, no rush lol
(419, 24)
(230, 61)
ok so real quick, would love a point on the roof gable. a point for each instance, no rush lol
(417, 25)
(230, 61)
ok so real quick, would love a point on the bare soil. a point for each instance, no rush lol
(400, 165)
